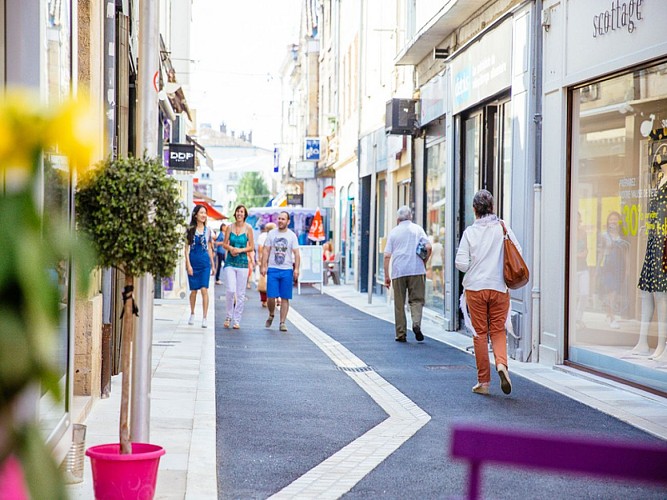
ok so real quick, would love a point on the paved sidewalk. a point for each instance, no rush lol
(182, 406)
(641, 409)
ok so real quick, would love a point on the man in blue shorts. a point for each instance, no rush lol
(280, 265)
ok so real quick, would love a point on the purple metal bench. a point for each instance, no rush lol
(581, 455)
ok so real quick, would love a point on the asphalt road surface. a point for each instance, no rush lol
(283, 407)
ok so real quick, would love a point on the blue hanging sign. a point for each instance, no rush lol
(312, 151)
(276, 159)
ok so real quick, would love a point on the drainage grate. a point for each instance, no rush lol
(166, 343)
(357, 369)
(451, 368)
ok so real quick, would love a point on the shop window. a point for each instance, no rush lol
(381, 218)
(57, 201)
(618, 260)
(436, 171)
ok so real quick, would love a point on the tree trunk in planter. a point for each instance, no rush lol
(128, 338)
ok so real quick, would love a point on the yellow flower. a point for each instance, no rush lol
(22, 126)
(74, 129)
(28, 129)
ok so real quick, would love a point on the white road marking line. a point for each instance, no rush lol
(339, 473)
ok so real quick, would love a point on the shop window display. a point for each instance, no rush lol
(618, 259)
(435, 225)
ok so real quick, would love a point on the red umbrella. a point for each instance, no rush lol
(316, 232)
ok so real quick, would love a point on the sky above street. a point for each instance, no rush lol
(238, 48)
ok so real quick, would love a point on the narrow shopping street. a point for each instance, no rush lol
(335, 407)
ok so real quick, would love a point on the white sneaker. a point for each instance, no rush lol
(191, 321)
(481, 388)
(204, 324)
(614, 324)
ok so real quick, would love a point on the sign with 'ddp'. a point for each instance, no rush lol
(182, 157)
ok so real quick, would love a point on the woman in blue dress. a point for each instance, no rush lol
(199, 261)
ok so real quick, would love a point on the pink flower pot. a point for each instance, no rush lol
(12, 483)
(120, 477)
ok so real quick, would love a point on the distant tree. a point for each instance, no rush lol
(252, 190)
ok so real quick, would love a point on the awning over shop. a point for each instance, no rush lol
(198, 196)
(443, 22)
(210, 210)
(201, 150)
(169, 84)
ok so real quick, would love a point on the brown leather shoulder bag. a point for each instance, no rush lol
(515, 270)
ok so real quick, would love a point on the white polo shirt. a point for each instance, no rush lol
(402, 246)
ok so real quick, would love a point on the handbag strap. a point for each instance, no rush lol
(504, 228)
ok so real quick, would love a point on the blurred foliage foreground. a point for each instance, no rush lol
(42, 149)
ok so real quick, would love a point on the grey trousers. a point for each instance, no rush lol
(414, 287)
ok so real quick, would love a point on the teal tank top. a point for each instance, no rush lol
(237, 241)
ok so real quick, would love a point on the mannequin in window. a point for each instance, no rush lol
(653, 277)
(612, 264)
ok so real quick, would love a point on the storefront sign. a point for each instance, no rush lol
(373, 152)
(294, 200)
(626, 31)
(304, 170)
(433, 99)
(182, 157)
(621, 16)
(484, 68)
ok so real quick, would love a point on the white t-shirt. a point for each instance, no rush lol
(261, 239)
(402, 246)
(281, 245)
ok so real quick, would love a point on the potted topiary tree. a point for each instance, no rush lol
(130, 210)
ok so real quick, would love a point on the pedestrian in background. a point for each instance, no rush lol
(251, 268)
(280, 265)
(199, 261)
(220, 253)
(261, 282)
(408, 271)
(485, 300)
(239, 242)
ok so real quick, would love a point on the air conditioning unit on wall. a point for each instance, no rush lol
(401, 117)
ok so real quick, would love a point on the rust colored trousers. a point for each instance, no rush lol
(488, 313)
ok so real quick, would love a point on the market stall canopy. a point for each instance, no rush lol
(199, 196)
(300, 219)
(277, 210)
(210, 210)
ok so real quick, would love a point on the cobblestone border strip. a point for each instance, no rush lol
(339, 473)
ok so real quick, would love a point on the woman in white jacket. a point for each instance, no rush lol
(480, 257)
